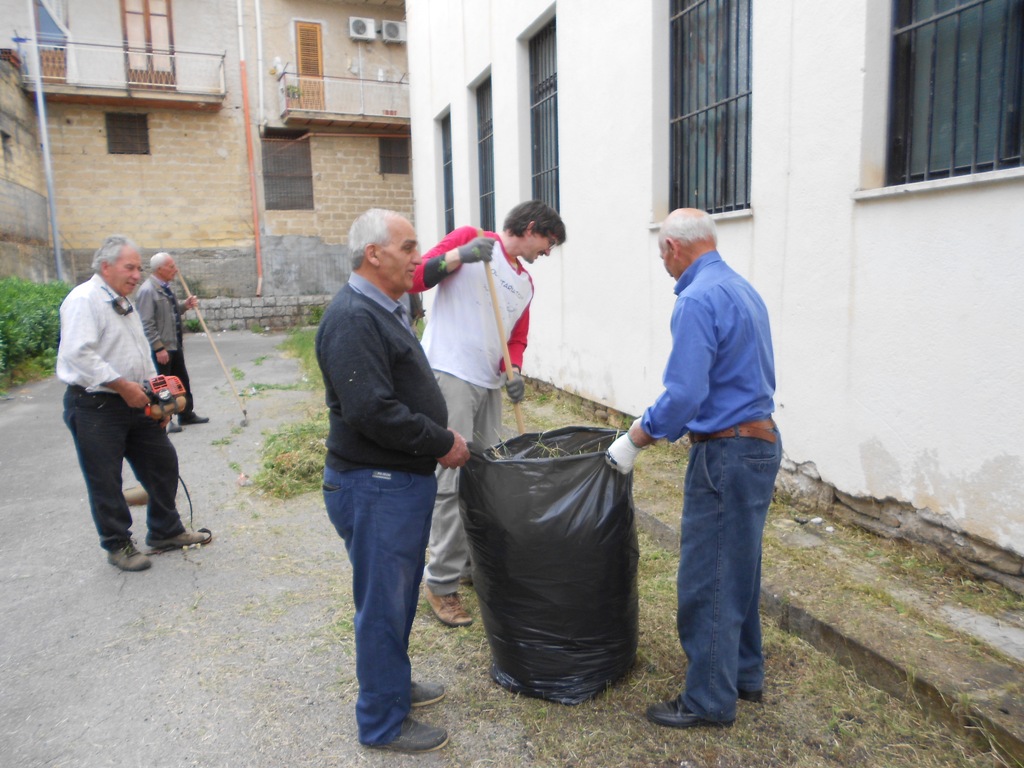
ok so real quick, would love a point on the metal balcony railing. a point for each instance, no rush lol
(88, 66)
(343, 96)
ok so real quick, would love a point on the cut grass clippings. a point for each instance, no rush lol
(816, 712)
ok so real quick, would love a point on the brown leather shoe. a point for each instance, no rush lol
(128, 558)
(448, 609)
(181, 541)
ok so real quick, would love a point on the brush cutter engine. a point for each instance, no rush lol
(166, 396)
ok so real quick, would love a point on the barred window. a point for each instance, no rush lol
(710, 105)
(127, 134)
(485, 153)
(394, 155)
(544, 115)
(287, 173)
(446, 173)
(957, 88)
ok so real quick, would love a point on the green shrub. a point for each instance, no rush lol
(29, 319)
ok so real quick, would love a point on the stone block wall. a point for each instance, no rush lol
(346, 182)
(190, 191)
(273, 313)
(899, 520)
(25, 249)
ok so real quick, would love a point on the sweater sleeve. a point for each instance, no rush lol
(426, 276)
(145, 301)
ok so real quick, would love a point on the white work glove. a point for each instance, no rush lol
(515, 386)
(622, 453)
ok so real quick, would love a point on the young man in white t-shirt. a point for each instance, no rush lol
(462, 345)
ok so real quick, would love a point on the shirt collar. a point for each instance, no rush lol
(361, 285)
(691, 272)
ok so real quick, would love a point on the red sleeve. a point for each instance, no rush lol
(517, 339)
(453, 239)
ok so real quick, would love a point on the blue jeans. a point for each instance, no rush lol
(384, 518)
(107, 432)
(728, 489)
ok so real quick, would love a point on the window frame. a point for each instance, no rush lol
(283, 153)
(485, 153)
(543, 56)
(394, 154)
(447, 172)
(710, 104)
(127, 133)
(960, 112)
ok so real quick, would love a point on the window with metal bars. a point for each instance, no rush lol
(127, 134)
(394, 155)
(957, 88)
(544, 115)
(287, 173)
(485, 153)
(446, 173)
(710, 103)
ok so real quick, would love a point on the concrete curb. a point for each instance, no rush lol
(982, 698)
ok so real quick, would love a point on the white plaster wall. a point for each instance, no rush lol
(894, 315)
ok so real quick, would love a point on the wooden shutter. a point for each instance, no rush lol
(308, 40)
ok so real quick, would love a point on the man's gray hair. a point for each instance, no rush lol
(158, 260)
(110, 251)
(688, 226)
(371, 228)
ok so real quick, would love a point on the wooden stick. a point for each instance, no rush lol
(245, 416)
(501, 335)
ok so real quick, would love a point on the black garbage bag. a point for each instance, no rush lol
(553, 540)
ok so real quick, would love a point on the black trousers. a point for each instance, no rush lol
(108, 432)
(175, 366)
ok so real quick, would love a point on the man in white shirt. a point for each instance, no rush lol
(464, 350)
(104, 358)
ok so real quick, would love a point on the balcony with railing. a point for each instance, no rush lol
(344, 102)
(116, 74)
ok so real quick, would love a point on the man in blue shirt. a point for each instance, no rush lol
(719, 387)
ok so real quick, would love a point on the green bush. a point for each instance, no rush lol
(29, 319)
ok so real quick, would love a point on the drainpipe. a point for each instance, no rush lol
(249, 153)
(45, 138)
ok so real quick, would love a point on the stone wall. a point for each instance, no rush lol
(190, 191)
(346, 182)
(24, 214)
(899, 520)
(273, 313)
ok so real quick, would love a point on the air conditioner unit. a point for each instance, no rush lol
(392, 31)
(360, 28)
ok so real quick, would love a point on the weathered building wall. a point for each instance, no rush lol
(346, 181)
(24, 217)
(895, 311)
(191, 190)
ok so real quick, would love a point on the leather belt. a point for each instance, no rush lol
(79, 390)
(762, 430)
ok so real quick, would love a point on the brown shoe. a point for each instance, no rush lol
(181, 541)
(448, 609)
(128, 558)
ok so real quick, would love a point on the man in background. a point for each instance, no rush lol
(161, 318)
